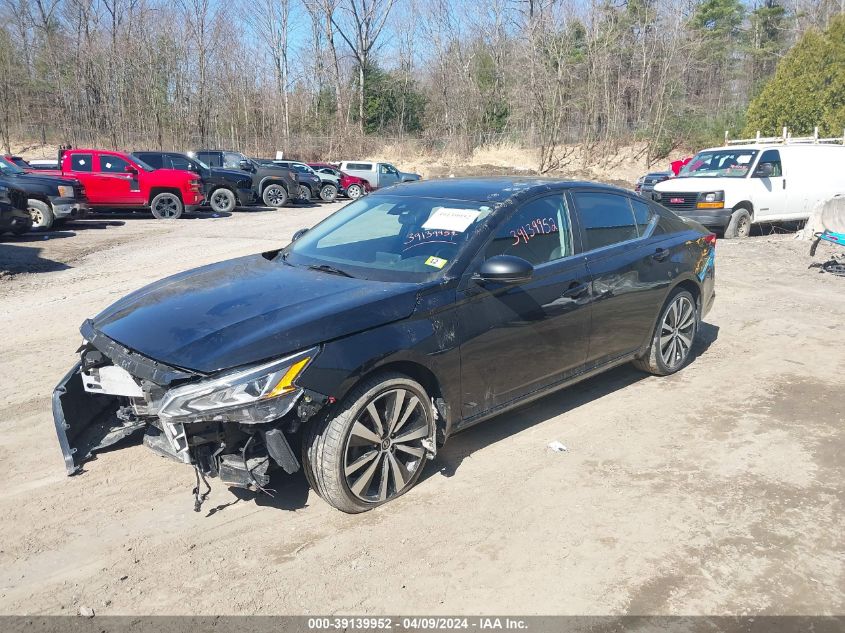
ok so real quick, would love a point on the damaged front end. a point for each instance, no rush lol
(232, 424)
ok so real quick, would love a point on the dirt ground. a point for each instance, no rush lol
(715, 491)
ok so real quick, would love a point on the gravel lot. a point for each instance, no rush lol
(715, 491)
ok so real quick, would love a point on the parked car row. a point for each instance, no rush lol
(169, 183)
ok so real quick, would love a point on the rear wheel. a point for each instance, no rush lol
(354, 192)
(221, 200)
(41, 214)
(370, 449)
(328, 192)
(166, 206)
(275, 196)
(740, 224)
(674, 335)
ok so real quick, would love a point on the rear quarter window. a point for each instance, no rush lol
(359, 166)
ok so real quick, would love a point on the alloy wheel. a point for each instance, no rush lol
(353, 192)
(743, 228)
(677, 331)
(385, 449)
(328, 193)
(221, 201)
(304, 193)
(167, 207)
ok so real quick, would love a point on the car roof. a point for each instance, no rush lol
(491, 189)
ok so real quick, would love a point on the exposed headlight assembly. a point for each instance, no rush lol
(4, 195)
(257, 394)
(65, 191)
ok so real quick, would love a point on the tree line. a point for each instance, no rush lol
(324, 77)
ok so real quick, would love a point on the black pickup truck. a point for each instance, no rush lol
(50, 199)
(275, 186)
(224, 189)
(13, 214)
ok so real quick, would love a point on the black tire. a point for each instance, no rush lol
(328, 192)
(222, 200)
(343, 463)
(740, 224)
(41, 214)
(680, 338)
(353, 192)
(304, 193)
(274, 196)
(167, 206)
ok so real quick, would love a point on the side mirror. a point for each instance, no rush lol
(245, 165)
(131, 170)
(298, 234)
(764, 170)
(505, 269)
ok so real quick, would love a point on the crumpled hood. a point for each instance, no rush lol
(248, 310)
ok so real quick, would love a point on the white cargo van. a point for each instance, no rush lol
(727, 189)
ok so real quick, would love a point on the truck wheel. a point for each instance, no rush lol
(304, 193)
(353, 192)
(166, 206)
(222, 200)
(275, 196)
(371, 448)
(740, 224)
(41, 214)
(328, 192)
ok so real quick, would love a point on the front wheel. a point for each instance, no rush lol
(739, 225)
(222, 200)
(353, 192)
(674, 336)
(41, 214)
(371, 449)
(304, 193)
(166, 206)
(275, 196)
(328, 192)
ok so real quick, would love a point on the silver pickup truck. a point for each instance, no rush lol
(377, 174)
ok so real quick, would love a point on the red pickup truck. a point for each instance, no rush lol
(118, 180)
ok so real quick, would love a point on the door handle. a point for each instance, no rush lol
(576, 290)
(660, 254)
(784, 183)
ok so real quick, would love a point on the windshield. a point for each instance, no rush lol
(390, 238)
(8, 168)
(722, 163)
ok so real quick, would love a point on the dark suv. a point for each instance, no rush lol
(273, 185)
(48, 198)
(224, 189)
(310, 183)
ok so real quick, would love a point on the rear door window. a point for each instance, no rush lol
(359, 166)
(538, 232)
(606, 219)
(82, 162)
(211, 158)
(180, 162)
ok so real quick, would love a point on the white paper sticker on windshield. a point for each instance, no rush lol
(743, 158)
(445, 219)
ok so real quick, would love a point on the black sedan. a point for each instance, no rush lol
(403, 318)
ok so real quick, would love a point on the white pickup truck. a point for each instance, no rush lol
(377, 174)
(727, 189)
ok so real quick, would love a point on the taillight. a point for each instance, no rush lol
(710, 239)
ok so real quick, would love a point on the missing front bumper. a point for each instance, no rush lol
(86, 422)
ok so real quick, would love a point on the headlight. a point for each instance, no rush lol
(4, 194)
(656, 195)
(257, 394)
(711, 200)
(65, 191)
